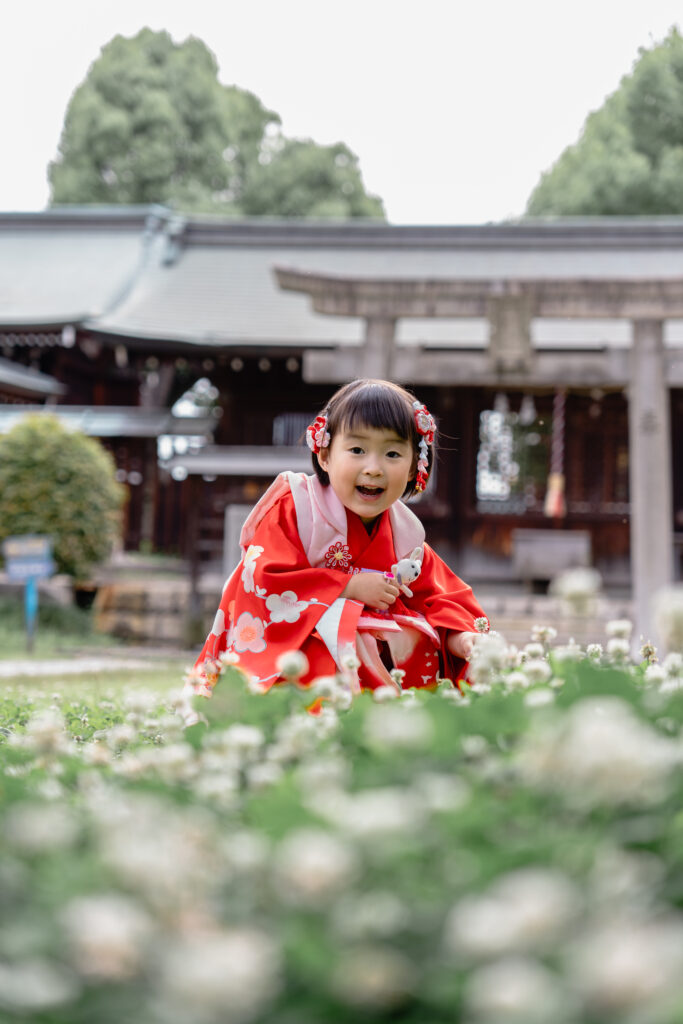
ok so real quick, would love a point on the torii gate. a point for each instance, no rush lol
(510, 305)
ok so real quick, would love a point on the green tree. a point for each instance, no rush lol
(152, 123)
(629, 157)
(61, 484)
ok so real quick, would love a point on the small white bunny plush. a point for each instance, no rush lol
(407, 570)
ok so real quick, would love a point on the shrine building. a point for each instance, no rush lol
(198, 349)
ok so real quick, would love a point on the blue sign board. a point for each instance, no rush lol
(28, 557)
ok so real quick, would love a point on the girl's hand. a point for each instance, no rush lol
(461, 644)
(373, 589)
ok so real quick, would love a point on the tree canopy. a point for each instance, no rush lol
(629, 157)
(151, 123)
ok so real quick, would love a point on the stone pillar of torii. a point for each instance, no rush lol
(509, 306)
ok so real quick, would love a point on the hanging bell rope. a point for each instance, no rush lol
(555, 505)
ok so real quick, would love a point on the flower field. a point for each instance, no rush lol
(510, 854)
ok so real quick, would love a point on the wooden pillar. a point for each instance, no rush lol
(377, 359)
(649, 473)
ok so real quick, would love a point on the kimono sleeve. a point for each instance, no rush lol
(448, 604)
(274, 599)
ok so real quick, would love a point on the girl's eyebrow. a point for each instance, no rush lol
(355, 436)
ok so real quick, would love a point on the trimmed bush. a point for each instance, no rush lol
(60, 484)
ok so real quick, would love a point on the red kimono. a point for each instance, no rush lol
(300, 546)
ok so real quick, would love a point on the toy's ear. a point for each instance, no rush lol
(416, 555)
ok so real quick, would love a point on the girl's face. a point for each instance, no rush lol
(369, 469)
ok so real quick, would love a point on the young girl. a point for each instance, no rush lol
(317, 575)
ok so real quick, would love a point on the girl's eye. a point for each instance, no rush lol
(394, 455)
(356, 450)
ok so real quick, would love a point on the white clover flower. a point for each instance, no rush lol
(571, 651)
(97, 754)
(594, 651)
(517, 680)
(374, 978)
(141, 702)
(517, 990)
(533, 650)
(46, 733)
(668, 614)
(621, 628)
(577, 589)
(333, 689)
(263, 774)
(648, 651)
(537, 671)
(33, 827)
(377, 914)
(246, 852)
(488, 658)
(441, 793)
(673, 665)
(474, 746)
(292, 664)
(398, 727)
(671, 684)
(522, 910)
(229, 975)
(543, 634)
(371, 814)
(108, 934)
(382, 694)
(35, 985)
(655, 674)
(539, 698)
(311, 866)
(598, 752)
(618, 649)
(120, 736)
(219, 787)
(349, 660)
(628, 965)
(245, 741)
(227, 659)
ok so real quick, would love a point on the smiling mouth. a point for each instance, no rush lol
(370, 492)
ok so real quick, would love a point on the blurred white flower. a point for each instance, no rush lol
(668, 615)
(376, 914)
(577, 589)
(517, 990)
(263, 774)
(648, 651)
(333, 689)
(371, 814)
(397, 727)
(219, 787)
(628, 963)
(537, 671)
(533, 650)
(488, 658)
(33, 827)
(597, 752)
(655, 674)
(522, 910)
(120, 736)
(292, 664)
(543, 634)
(374, 977)
(311, 866)
(571, 651)
(618, 649)
(621, 628)
(231, 976)
(246, 852)
(141, 702)
(594, 651)
(539, 698)
(349, 660)
(517, 680)
(35, 985)
(46, 733)
(108, 935)
(673, 665)
(244, 740)
(441, 792)
(328, 772)
(382, 694)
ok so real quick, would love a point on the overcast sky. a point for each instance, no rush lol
(454, 107)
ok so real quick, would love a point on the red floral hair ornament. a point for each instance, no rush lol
(426, 427)
(317, 434)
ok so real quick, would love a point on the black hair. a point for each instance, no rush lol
(379, 404)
